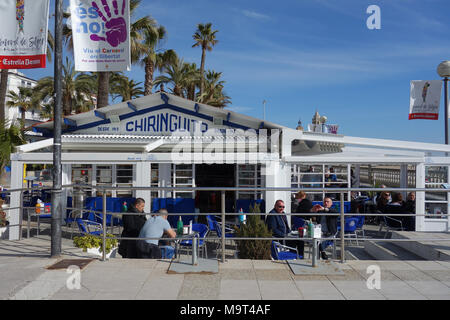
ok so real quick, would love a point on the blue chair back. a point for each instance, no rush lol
(297, 222)
(175, 205)
(201, 228)
(210, 219)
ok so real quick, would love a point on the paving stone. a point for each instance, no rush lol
(200, 287)
(279, 290)
(238, 274)
(318, 289)
(239, 290)
(270, 274)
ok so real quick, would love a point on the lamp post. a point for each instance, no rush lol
(264, 109)
(444, 71)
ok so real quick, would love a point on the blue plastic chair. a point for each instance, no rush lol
(282, 252)
(202, 230)
(89, 227)
(349, 227)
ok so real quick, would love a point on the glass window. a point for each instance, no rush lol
(436, 203)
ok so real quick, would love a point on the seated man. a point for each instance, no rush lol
(132, 224)
(279, 226)
(155, 227)
(328, 223)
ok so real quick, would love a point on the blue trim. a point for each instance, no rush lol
(261, 125)
(132, 106)
(151, 109)
(165, 98)
(70, 122)
(235, 125)
(228, 116)
(44, 131)
(100, 115)
(196, 107)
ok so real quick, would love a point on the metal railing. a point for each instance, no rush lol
(341, 214)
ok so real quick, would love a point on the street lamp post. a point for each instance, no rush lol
(444, 71)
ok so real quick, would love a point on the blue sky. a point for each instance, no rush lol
(307, 55)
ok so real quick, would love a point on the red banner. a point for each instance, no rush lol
(428, 116)
(22, 62)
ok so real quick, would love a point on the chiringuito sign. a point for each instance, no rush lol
(160, 122)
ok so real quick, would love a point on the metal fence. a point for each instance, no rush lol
(341, 191)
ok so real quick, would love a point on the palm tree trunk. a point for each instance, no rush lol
(103, 89)
(148, 86)
(3, 88)
(202, 70)
(23, 118)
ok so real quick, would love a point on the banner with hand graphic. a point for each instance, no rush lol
(101, 34)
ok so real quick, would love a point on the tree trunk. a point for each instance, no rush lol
(202, 70)
(3, 88)
(23, 118)
(103, 89)
(148, 86)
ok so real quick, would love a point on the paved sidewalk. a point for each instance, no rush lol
(24, 276)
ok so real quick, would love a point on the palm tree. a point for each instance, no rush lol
(206, 39)
(214, 94)
(180, 75)
(127, 89)
(10, 137)
(78, 89)
(136, 36)
(4, 75)
(21, 100)
(152, 37)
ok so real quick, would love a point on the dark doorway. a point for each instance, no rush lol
(215, 175)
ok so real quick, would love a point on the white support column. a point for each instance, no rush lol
(277, 175)
(420, 197)
(66, 192)
(15, 215)
(404, 179)
(143, 179)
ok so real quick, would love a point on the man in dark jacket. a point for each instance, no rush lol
(304, 206)
(277, 223)
(328, 223)
(132, 225)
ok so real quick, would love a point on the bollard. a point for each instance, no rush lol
(194, 251)
(314, 253)
(342, 229)
(104, 225)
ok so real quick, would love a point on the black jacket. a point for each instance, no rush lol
(330, 220)
(277, 224)
(304, 206)
(132, 225)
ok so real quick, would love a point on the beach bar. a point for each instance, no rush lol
(163, 140)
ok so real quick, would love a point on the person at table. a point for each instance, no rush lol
(397, 207)
(278, 225)
(328, 223)
(155, 227)
(304, 206)
(132, 224)
(410, 204)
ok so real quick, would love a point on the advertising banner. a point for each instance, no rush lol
(101, 34)
(23, 35)
(425, 99)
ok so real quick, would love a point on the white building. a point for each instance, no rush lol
(16, 80)
(138, 143)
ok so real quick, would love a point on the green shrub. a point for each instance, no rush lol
(91, 241)
(254, 228)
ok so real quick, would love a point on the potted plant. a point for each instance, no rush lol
(94, 244)
(254, 228)
(4, 223)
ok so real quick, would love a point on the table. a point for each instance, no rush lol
(192, 236)
(315, 243)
